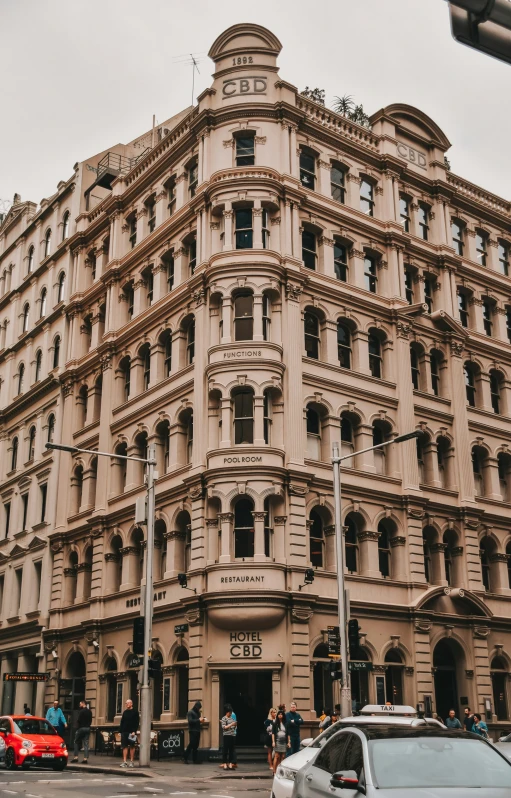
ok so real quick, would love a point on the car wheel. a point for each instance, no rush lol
(10, 760)
(59, 765)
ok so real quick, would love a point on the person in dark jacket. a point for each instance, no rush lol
(468, 720)
(130, 721)
(83, 724)
(195, 720)
(293, 722)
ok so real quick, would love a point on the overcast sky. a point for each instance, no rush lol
(81, 75)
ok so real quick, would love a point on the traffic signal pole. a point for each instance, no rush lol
(147, 612)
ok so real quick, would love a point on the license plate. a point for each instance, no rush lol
(48, 756)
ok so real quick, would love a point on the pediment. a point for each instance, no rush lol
(246, 38)
(409, 119)
(36, 543)
(453, 601)
(17, 551)
(446, 323)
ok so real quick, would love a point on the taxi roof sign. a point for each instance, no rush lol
(388, 709)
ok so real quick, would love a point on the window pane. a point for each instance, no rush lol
(307, 162)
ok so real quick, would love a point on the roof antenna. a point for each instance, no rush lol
(194, 67)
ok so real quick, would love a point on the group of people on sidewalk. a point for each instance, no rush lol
(282, 734)
(472, 722)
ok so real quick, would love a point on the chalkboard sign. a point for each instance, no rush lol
(171, 743)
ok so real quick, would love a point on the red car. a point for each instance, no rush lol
(31, 741)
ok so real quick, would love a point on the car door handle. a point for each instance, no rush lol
(308, 778)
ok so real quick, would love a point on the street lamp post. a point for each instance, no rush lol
(339, 551)
(146, 609)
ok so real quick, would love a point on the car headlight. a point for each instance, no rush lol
(27, 744)
(63, 745)
(286, 773)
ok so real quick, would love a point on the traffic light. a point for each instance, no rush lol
(183, 581)
(154, 668)
(353, 630)
(138, 635)
(309, 576)
(336, 669)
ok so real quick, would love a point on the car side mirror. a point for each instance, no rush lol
(347, 780)
(306, 742)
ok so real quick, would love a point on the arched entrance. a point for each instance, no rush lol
(323, 692)
(181, 664)
(157, 688)
(449, 665)
(394, 676)
(499, 678)
(72, 688)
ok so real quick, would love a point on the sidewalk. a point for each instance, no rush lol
(175, 769)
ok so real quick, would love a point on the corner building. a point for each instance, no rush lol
(252, 281)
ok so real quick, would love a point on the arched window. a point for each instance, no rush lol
(189, 438)
(479, 456)
(504, 466)
(435, 360)
(244, 317)
(394, 676)
(495, 389)
(51, 428)
(26, 314)
(60, 287)
(347, 440)
(316, 540)
(82, 401)
(38, 365)
(119, 469)
(313, 433)
(145, 357)
(47, 243)
(312, 336)
(307, 167)
(384, 549)
(163, 446)
(30, 262)
(444, 452)
(21, 377)
(470, 388)
(111, 682)
(414, 362)
(31, 444)
(486, 549)
(65, 225)
(309, 249)
(344, 345)
(243, 529)
(181, 665)
(381, 434)
(243, 400)
(244, 232)
(125, 368)
(450, 543)
(56, 352)
(350, 545)
(428, 538)
(190, 342)
(340, 261)
(375, 356)
(337, 182)
(76, 489)
(141, 444)
(71, 573)
(266, 317)
(366, 197)
(14, 453)
(42, 309)
(499, 677)
(166, 342)
(370, 275)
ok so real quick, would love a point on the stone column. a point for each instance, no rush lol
(212, 531)
(293, 420)
(297, 553)
(259, 421)
(83, 580)
(330, 337)
(423, 659)
(483, 685)
(284, 149)
(130, 558)
(180, 266)
(258, 318)
(160, 285)
(228, 228)
(438, 563)
(226, 319)
(279, 538)
(415, 544)
(293, 151)
(500, 574)
(161, 208)
(398, 558)
(257, 216)
(175, 553)
(275, 243)
(324, 178)
(460, 429)
(330, 553)
(259, 554)
(368, 549)
(226, 547)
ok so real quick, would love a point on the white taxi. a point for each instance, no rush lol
(371, 714)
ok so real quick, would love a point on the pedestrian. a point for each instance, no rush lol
(268, 742)
(233, 716)
(468, 720)
(334, 717)
(56, 717)
(322, 715)
(130, 720)
(480, 726)
(28, 713)
(83, 724)
(326, 720)
(229, 724)
(293, 722)
(194, 719)
(279, 739)
(452, 721)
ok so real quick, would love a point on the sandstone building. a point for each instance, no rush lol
(252, 281)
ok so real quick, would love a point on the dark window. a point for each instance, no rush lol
(30, 264)
(404, 213)
(7, 518)
(463, 308)
(350, 546)
(370, 278)
(132, 230)
(470, 386)
(313, 425)
(243, 317)
(47, 243)
(171, 194)
(316, 540)
(414, 359)
(435, 373)
(130, 299)
(343, 345)
(190, 342)
(21, 377)
(383, 551)
(340, 262)
(375, 356)
(31, 444)
(150, 287)
(38, 365)
(26, 314)
(457, 236)
(60, 292)
(267, 417)
(244, 231)
(243, 529)
(307, 170)
(508, 323)
(146, 362)
(428, 293)
(193, 178)
(309, 249)
(331, 756)
(151, 214)
(409, 286)
(56, 352)
(487, 313)
(127, 379)
(44, 493)
(337, 184)
(312, 339)
(42, 309)
(266, 317)
(244, 417)
(367, 197)
(192, 254)
(24, 514)
(170, 271)
(168, 353)
(485, 567)
(503, 253)
(495, 391)
(245, 150)
(423, 215)
(266, 232)
(51, 428)
(481, 248)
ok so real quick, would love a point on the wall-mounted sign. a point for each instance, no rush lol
(135, 602)
(412, 155)
(229, 579)
(242, 353)
(180, 629)
(360, 666)
(250, 84)
(246, 459)
(170, 743)
(334, 642)
(135, 661)
(245, 645)
(25, 676)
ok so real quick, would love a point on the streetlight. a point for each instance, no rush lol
(146, 609)
(341, 595)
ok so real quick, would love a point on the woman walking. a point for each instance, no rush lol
(268, 740)
(280, 739)
(229, 731)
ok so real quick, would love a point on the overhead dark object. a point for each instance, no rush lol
(484, 25)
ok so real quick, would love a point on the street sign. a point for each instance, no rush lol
(360, 666)
(135, 661)
(334, 641)
(25, 676)
(180, 629)
(171, 743)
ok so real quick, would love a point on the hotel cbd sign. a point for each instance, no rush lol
(245, 645)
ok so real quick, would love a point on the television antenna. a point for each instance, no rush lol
(193, 60)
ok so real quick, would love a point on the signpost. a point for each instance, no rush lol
(180, 629)
(25, 676)
(360, 666)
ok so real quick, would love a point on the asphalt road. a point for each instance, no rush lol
(40, 783)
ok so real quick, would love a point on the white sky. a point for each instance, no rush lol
(81, 75)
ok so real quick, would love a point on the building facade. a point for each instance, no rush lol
(252, 281)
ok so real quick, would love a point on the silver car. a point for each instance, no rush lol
(401, 762)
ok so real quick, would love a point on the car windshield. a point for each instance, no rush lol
(33, 726)
(323, 738)
(437, 762)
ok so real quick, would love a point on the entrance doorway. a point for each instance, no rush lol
(447, 658)
(250, 695)
(72, 690)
